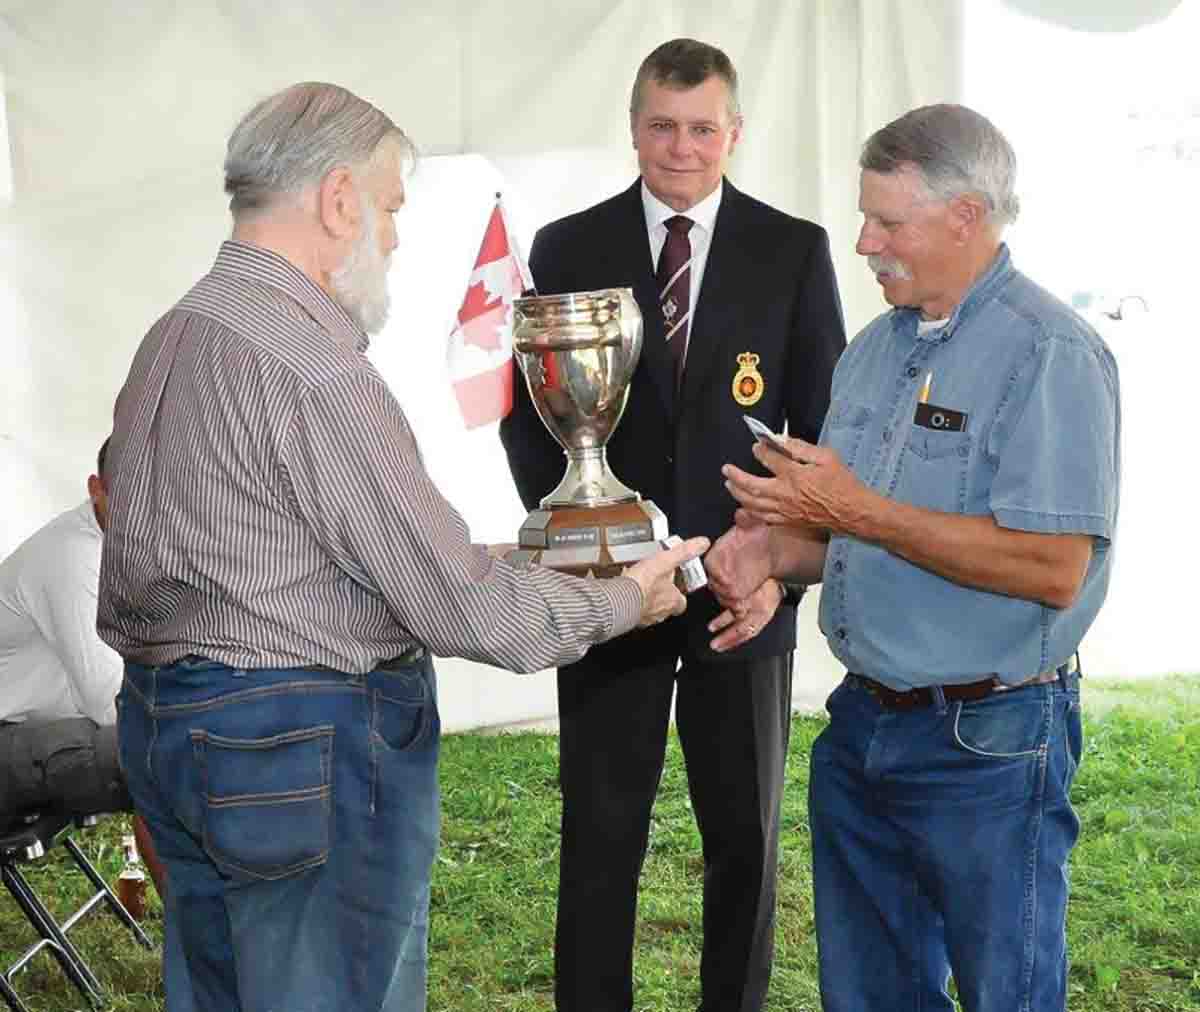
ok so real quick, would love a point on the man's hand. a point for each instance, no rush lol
(740, 561)
(656, 577)
(814, 490)
(745, 619)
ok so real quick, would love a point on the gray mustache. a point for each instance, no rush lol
(888, 265)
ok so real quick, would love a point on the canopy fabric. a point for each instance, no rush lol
(117, 114)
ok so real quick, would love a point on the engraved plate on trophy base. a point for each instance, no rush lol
(595, 541)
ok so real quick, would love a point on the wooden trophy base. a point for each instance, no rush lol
(597, 541)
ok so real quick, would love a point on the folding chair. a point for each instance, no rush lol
(25, 845)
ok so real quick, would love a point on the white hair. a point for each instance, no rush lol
(293, 139)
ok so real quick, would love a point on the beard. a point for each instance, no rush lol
(360, 284)
(889, 266)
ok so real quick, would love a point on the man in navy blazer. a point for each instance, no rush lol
(762, 331)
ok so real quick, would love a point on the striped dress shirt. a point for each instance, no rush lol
(269, 506)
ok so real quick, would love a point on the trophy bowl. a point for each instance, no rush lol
(578, 353)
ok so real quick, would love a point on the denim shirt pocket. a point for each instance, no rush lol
(267, 801)
(844, 429)
(933, 470)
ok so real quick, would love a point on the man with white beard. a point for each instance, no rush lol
(278, 570)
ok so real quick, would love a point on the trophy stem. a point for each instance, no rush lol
(589, 482)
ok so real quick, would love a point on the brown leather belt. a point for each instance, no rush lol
(966, 692)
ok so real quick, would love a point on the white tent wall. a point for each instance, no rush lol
(117, 115)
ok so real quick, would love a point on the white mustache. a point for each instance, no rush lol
(888, 265)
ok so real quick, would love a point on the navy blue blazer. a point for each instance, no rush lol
(768, 288)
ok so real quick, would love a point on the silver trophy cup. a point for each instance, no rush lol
(578, 353)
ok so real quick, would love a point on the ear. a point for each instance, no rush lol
(338, 203)
(967, 215)
(735, 133)
(95, 487)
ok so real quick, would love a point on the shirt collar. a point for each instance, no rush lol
(270, 268)
(985, 285)
(703, 214)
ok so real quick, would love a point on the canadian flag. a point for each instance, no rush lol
(480, 352)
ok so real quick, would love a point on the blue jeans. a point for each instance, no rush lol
(940, 844)
(296, 811)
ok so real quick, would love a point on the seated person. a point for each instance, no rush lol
(58, 679)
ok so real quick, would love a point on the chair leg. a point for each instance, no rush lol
(67, 955)
(11, 998)
(114, 904)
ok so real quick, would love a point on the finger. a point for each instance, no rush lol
(726, 641)
(736, 635)
(748, 487)
(722, 621)
(774, 459)
(805, 452)
(670, 559)
(733, 636)
(754, 501)
(753, 516)
(692, 548)
(678, 604)
(746, 520)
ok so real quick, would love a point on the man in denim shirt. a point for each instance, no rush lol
(960, 511)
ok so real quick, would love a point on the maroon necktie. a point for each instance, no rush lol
(675, 289)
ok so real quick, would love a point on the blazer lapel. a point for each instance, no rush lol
(716, 316)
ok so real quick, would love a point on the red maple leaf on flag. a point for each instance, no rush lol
(478, 356)
(484, 330)
(476, 302)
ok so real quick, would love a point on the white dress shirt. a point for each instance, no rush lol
(704, 216)
(52, 662)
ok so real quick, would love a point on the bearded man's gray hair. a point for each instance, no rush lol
(293, 139)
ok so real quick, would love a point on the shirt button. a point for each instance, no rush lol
(887, 435)
(912, 371)
(838, 566)
(964, 451)
(841, 634)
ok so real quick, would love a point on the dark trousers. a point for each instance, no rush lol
(67, 765)
(733, 722)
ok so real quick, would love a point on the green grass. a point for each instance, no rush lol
(1134, 923)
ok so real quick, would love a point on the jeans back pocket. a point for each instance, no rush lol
(267, 801)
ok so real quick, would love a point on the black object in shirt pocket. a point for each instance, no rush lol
(931, 416)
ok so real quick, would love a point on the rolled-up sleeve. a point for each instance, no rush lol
(1057, 443)
(360, 485)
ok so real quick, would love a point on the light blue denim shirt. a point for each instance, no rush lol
(1038, 451)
